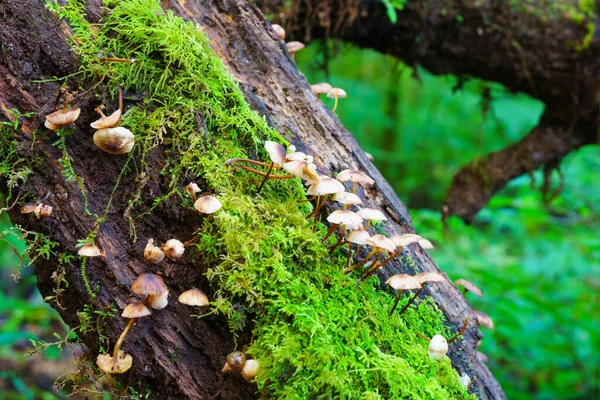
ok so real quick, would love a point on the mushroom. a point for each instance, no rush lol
(194, 297)
(402, 282)
(152, 253)
(438, 347)
(483, 319)
(359, 237)
(423, 278)
(154, 288)
(278, 159)
(336, 93)
(345, 218)
(207, 204)
(465, 380)
(61, 118)
(89, 250)
(355, 176)
(236, 361)
(319, 89)
(347, 199)
(277, 156)
(106, 122)
(192, 189)
(173, 249)
(322, 187)
(469, 287)
(116, 140)
(371, 214)
(42, 210)
(279, 31)
(426, 244)
(28, 208)
(380, 243)
(294, 47)
(250, 370)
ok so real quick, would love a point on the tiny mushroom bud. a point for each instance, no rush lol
(154, 287)
(250, 370)
(159, 302)
(465, 380)
(277, 156)
(152, 253)
(236, 360)
(469, 287)
(294, 47)
(207, 204)
(320, 88)
(192, 189)
(61, 118)
(117, 140)
(28, 208)
(438, 347)
(194, 297)
(114, 365)
(173, 249)
(483, 319)
(336, 93)
(42, 210)
(107, 122)
(405, 239)
(279, 31)
(89, 250)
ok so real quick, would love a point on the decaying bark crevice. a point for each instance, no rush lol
(176, 356)
(544, 49)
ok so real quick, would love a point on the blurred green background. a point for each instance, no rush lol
(538, 263)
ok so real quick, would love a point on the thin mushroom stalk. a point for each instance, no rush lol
(329, 232)
(462, 330)
(266, 177)
(363, 262)
(412, 300)
(381, 264)
(122, 337)
(257, 172)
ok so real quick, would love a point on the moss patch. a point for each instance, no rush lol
(318, 334)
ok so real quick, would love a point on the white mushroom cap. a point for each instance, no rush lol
(89, 250)
(192, 188)
(382, 242)
(109, 365)
(117, 140)
(326, 185)
(347, 198)
(438, 347)
(136, 310)
(62, 117)
(403, 282)
(152, 253)
(298, 156)
(158, 302)
(250, 370)
(208, 204)
(426, 244)
(279, 31)
(344, 217)
(337, 92)
(173, 249)
(301, 169)
(107, 122)
(405, 239)
(320, 88)
(429, 277)
(276, 152)
(355, 175)
(193, 297)
(465, 380)
(372, 214)
(358, 236)
(294, 46)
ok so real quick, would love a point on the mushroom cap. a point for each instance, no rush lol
(405, 239)
(276, 152)
(326, 185)
(160, 301)
(483, 319)
(294, 46)
(149, 285)
(358, 236)
(469, 286)
(344, 217)
(117, 140)
(382, 242)
(302, 169)
(208, 204)
(465, 380)
(107, 122)
(250, 370)
(403, 282)
(355, 175)
(194, 297)
(321, 88)
(173, 249)
(429, 277)
(279, 31)
(110, 365)
(236, 360)
(152, 253)
(347, 198)
(372, 214)
(438, 347)
(192, 188)
(89, 250)
(52, 126)
(426, 244)
(136, 310)
(336, 92)
(63, 116)
(28, 208)
(42, 210)
(298, 156)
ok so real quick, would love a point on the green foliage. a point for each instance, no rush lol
(392, 7)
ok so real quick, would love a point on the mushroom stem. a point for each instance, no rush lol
(265, 178)
(329, 232)
(80, 95)
(317, 212)
(257, 172)
(368, 225)
(367, 272)
(423, 336)
(412, 300)
(246, 160)
(354, 184)
(117, 59)
(462, 330)
(306, 200)
(120, 101)
(465, 291)
(335, 104)
(396, 302)
(122, 338)
(340, 240)
(338, 244)
(349, 255)
(358, 247)
(363, 262)
(12, 206)
(318, 206)
(381, 264)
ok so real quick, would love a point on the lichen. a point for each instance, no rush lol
(317, 333)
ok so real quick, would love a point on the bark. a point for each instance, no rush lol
(544, 49)
(35, 48)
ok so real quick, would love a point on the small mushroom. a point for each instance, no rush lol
(469, 287)
(320, 89)
(117, 140)
(236, 360)
(343, 218)
(422, 278)
(61, 118)
(355, 176)
(192, 189)
(89, 250)
(277, 156)
(207, 204)
(250, 370)
(302, 169)
(426, 244)
(154, 288)
(483, 319)
(380, 243)
(173, 249)
(152, 253)
(438, 347)
(336, 93)
(42, 210)
(294, 47)
(347, 199)
(28, 208)
(322, 187)
(114, 365)
(194, 297)
(279, 31)
(359, 237)
(465, 380)
(371, 214)
(106, 121)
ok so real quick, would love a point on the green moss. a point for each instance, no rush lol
(318, 334)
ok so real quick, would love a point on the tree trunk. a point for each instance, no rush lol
(179, 357)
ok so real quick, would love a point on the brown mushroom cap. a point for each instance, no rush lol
(405, 239)
(429, 277)
(321, 88)
(152, 253)
(136, 310)
(89, 250)
(108, 121)
(355, 175)
(347, 198)
(276, 152)
(381, 242)
(62, 117)
(250, 370)
(337, 92)
(42, 210)
(192, 189)
(194, 297)
(208, 204)
(358, 236)
(403, 282)
(294, 46)
(344, 217)
(483, 319)
(109, 365)
(373, 214)
(469, 286)
(236, 360)
(28, 208)
(279, 31)
(149, 285)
